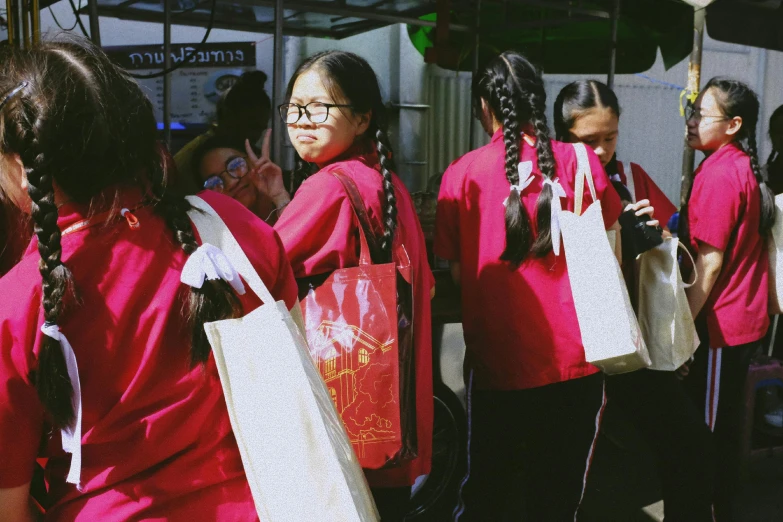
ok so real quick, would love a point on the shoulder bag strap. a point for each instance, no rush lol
(361, 213)
(583, 172)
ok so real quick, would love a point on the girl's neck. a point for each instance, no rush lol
(709, 153)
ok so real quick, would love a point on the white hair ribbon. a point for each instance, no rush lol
(71, 435)
(209, 262)
(615, 177)
(557, 193)
(526, 177)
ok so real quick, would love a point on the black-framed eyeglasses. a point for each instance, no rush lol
(692, 113)
(236, 169)
(317, 112)
(13, 92)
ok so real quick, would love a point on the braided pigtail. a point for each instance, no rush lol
(390, 199)
(518, 234)
(215, 300)
(546, 164)
(767, 196)
(51, 377)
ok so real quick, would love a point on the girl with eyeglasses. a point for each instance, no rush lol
(337, 122)
(105, 368)
(654, 402)
(229, 166)
(729, 214)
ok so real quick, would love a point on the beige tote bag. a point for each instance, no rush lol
(610, 332)
(775, 248)
(297, 457)
(664, 314)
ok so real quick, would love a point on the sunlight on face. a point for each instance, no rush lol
(321, 143)
(597, 128)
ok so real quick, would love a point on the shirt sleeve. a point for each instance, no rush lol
(611, 206)
(714, 209)
(21, 412)
(446, 243)
(664, 208)
(318, 228)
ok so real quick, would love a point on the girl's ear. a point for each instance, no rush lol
(363, 122)
(735, 124)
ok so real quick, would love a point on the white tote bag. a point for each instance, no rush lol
(664, 314)
(775, 248)
(297, 456)
(610, 332)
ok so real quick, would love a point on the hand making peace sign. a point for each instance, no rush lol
(266, 175)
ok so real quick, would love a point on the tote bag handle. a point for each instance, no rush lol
(583, 172)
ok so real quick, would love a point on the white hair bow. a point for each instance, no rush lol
(526, 177)
(556, 207)
(71, 435)
(209, 262)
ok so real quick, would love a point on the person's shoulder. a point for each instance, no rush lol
(238, 218)
(20, 285)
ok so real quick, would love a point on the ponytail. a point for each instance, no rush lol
(518, 234)
(390, 199)
(546, 164)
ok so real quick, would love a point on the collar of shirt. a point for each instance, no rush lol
(721, 153)
(530, 140)
(72, 212)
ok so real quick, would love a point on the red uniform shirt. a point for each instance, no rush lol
(157, 441)
(520, 325)
(724, 212)
(645, 188)
(320, 234)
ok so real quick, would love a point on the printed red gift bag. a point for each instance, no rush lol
(359, 325)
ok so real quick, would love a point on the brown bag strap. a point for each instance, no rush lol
(361, 212)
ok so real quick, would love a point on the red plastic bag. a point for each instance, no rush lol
(359, 325)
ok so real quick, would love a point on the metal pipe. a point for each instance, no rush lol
(25, 16)
(36, 19)
(277, 85)
(694, 79)
(95, 28)
(166, 65)
(613, 50)
(9, 12)
(476, 47)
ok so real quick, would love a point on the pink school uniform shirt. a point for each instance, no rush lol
(520, 324)
(157, 442)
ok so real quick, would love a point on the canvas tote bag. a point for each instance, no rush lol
(775, 248)
(664, 314)
(610, 332)
(297, 457)
(359, 326)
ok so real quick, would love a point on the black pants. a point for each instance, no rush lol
(717, 382)
(658, 406)
(392, 503)
(530, 450)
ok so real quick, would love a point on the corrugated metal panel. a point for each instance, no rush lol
(448, 122)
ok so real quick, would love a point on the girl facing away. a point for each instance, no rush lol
(337, 122)
(535, 403)
(729, 215)
(655, 403)
(105, 368)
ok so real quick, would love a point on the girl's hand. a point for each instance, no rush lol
(266, 175)
(643, 208)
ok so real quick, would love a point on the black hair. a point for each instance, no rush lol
(216, 141)
(243, 112)
(514, 91)
(350, 78)
(736, 99)
(81, 122)
(775, 127)
(576, 99)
